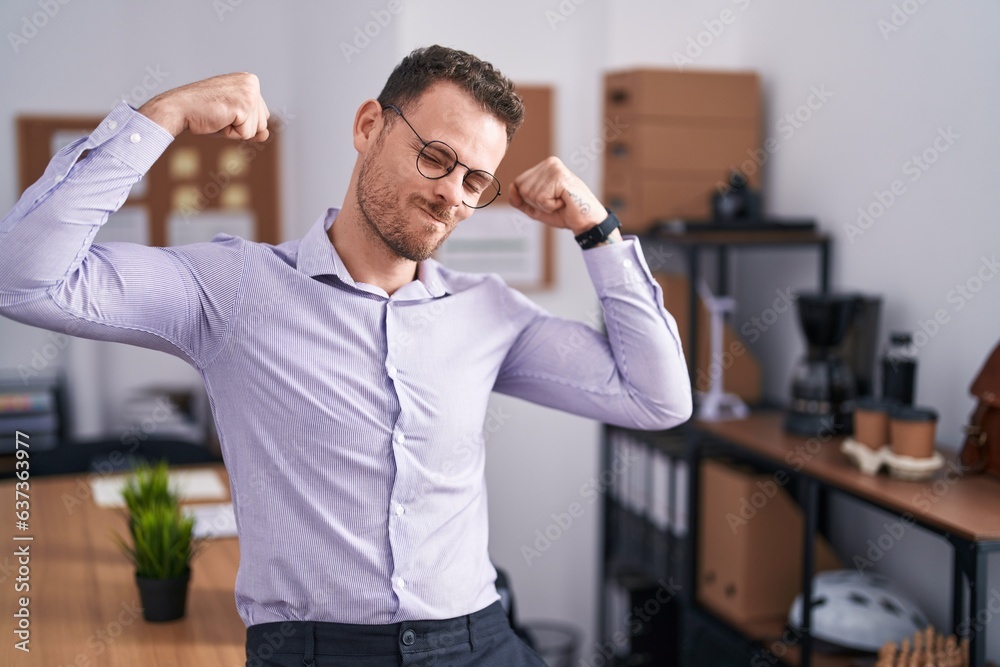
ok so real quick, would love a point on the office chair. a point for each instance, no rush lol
(507, 601)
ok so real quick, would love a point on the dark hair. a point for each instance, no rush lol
(426, 66)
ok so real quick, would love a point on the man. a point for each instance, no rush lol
(349, 373)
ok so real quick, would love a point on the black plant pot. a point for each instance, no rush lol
(163, 599)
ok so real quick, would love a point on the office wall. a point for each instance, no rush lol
(901, 95)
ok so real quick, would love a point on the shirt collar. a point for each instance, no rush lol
(318, 257)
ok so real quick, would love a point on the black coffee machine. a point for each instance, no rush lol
(841, 334)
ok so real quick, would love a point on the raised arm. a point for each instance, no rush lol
(635, 375)
(52, 276)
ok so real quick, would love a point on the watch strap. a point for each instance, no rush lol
(598, 233)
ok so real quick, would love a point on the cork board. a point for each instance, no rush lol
(200, 185)
(499, 238)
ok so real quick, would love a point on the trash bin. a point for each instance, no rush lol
(557, 643)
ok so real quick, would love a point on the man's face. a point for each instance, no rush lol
(413, 215)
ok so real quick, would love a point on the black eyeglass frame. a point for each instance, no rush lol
(469, 170)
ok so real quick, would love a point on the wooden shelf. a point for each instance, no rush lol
(769, 631)
(968, 506)
(737, 237)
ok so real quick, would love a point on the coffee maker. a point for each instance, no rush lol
(841, 335)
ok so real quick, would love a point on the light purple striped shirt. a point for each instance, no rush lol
(351, 421)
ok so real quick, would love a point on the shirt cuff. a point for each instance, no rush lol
(131, 137)
(617, 264)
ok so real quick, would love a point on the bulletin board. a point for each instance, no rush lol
(200, 186)
(499, 238)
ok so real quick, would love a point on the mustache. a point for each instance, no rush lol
(442, 213)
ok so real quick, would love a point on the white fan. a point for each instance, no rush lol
(716, 404)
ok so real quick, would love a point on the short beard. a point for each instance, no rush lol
(376, 199)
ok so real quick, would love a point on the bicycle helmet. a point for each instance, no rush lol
(858, 611)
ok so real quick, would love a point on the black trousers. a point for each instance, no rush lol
(481, 639)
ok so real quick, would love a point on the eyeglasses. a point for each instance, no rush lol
(437, 159)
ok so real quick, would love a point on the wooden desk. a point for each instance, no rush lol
(966, 506)
(84, 604)
(964, 509)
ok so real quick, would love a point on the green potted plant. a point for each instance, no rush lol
(162, 545)
(148, 485)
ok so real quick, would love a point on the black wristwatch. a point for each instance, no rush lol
(598, 233)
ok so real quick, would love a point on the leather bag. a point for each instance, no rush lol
(981, 452)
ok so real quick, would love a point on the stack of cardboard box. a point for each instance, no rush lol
(673, 139)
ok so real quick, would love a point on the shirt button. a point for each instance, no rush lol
(400, 510)
(409, 636)
(135, 138)
(400, 438)
(627, 263)
(112, 124)
(391, 370)
(400, 582)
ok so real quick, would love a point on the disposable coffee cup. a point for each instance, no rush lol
(912, 431)
(871, 421)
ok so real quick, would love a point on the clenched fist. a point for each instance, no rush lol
(230, 104)
(550, 193)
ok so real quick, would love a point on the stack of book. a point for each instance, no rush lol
(29, 412)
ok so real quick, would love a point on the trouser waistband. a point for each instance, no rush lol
(324, 638)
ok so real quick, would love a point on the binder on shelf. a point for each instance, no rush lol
(680, 522)
(660, 505)
(617, 629)
(637, 466)
(617, 443)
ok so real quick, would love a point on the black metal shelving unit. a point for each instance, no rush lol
(693, 241)
(635, 549)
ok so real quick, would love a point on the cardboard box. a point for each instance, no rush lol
(669, 93)
(639, 198)
(750, 544)
(670, 146)
(741, 373)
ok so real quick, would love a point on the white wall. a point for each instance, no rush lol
(890, 96)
